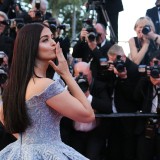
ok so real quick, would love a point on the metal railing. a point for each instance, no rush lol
(123, 115)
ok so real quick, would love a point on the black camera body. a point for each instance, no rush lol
(119, 64)
(104, 66)
(154, 70)
(62, 26)
(92, 33)
(38, 12)
(82, 81)
(146, 29)
(52, 25)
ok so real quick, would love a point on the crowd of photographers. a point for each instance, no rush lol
(131, 86)
(111, 81)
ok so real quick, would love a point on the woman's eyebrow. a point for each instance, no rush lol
(43, 36)
(46, 36)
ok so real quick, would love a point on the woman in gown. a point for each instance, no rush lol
(33, 105)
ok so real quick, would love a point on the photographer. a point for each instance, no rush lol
(148, 98)
(38, 12)
(112, 7)
(90, 139)
(122, 140)
(6, 42)
(5, 137)
(141, 47)
(91, 49)
(153, 13)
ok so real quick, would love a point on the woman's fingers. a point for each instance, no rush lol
(53, 65)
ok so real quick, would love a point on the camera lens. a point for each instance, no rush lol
(91, 36)
(146, 29)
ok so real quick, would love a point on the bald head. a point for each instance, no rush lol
(84, 68)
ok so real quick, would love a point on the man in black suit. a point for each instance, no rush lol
(122, 140)
(112, 7)
(154, 14)
(92, 50)
(147, 94)
(92, 142)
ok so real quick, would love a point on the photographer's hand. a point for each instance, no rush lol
(155, 81)
(122, 75)
(153, 36)
(111, 65)
(83, 34)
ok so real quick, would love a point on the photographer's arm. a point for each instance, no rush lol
(154, 36)
(80, 47)
(94, 50)
(136, 55)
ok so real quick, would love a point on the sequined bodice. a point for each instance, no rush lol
(41, 140)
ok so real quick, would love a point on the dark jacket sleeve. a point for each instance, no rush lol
(5, 5)
(102, 101)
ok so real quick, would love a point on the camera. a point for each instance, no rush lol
(62, 26)
(150, 129)
(82, 82)
(146, 29)
(38, 12)
(92, 34)
(154, 70)
(16, 22)
(104, 63)
(119, 64)
(104, 66)
(3, 69)
(52, 25)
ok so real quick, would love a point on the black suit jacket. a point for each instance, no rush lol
(102, 97)
(143, 95)
(82, 50)
(153, 14)
(124, 89)
(113, 6)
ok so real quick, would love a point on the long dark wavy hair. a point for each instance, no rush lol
(26, 45)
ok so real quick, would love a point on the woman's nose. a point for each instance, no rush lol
(53, 42)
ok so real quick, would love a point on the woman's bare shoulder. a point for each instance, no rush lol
(131, 39)
(36, 86)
